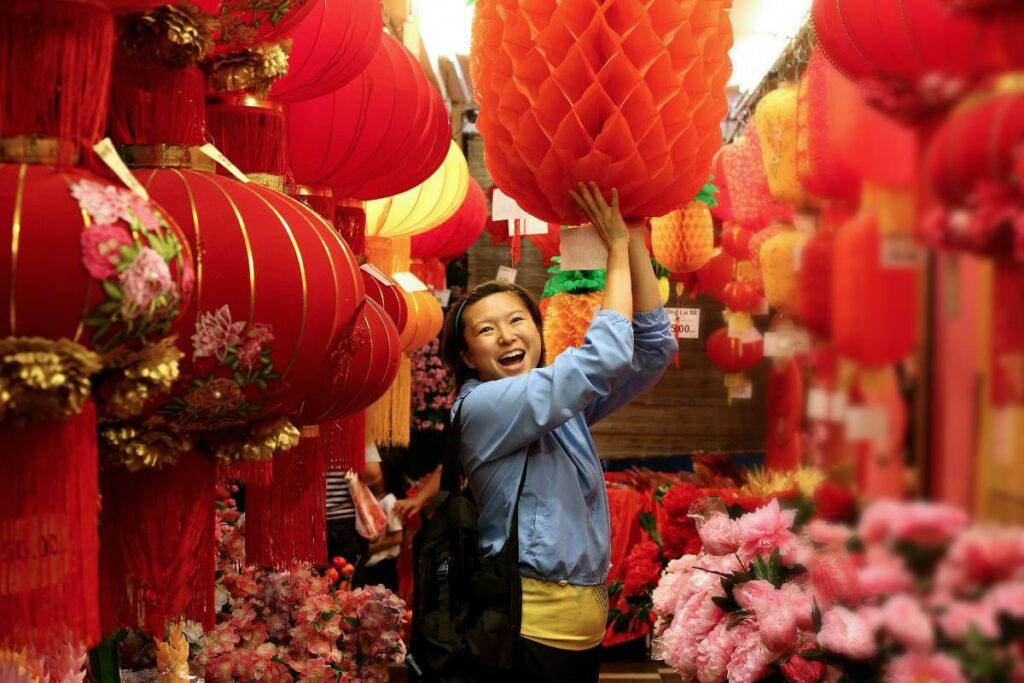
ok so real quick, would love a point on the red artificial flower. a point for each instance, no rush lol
(796, 669)
(835, 503)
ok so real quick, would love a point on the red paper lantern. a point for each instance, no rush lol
(784, 401)
(383, 133)
(453, 237)
(823, 171)
(732, 355)
(977, 145)
(431, 271)
(736, 241)
(330, 46)
(913, 56)
(815, 283)
(549, 244)
(630, 99)
(276, 289)
(874, 307)
(742, 296)
(390, 297)
(747, 184)
(723, 207)
(714, 275)
(243, 23)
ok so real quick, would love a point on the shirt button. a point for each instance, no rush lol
(563, 583)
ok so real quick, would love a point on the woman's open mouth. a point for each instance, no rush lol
(513, 360)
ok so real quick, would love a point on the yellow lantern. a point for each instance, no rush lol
(684, 240)
(776, 117)
(425, 206)
(779, 258)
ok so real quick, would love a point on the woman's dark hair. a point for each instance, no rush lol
(453, 342)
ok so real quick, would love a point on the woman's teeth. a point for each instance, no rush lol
(512, 358)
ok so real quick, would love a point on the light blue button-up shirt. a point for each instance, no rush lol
(564, 529)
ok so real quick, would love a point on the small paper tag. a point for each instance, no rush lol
(503, 207)
(807, 223)
(443, 296)
(762, 307)
(376, 274)
(528, 225)
(106, 151)
(817, 403)
(837, 406)
(787, 343)
(409, 282)
(866, 423)
(209, 150)
(798, 256)
(743, 392)
(506, 274)
(583, 249)
(685, 322)
(901, 251)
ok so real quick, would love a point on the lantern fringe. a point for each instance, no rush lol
(350, 222)
(132, 378)
(55, 70)
(388, 420)
(322, 205)
(44, 379)
(345, 443)
(155, 104)
(157, 560)
(48, 517)
(286, 519)
(252, 137)
(248, 472)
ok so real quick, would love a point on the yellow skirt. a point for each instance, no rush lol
(564, 616)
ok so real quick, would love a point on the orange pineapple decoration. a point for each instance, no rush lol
(568, 303)
(684, 240)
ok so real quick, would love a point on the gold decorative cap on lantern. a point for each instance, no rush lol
(252, 69)
(30, 149)
(166, 156)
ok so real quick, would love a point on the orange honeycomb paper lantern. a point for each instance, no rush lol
(566, 319)
(684, 240)
(628, 96)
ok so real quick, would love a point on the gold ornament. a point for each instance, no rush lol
(172, 656)
(171, 35)
(763, 483)
(253, 69)
(260, 442)
(136, 378)
(43, 378)
(139, 448)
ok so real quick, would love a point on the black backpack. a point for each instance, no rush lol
(466, 610)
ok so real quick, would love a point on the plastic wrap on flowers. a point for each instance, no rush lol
(822, 170)
(332, 45)
(874, 305)
(747, 184)
(350, 139)
(779, 270)
(684, 239)
(914, 57)
(776, 116)
(629, 97)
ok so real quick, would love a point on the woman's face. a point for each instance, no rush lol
(501, 337)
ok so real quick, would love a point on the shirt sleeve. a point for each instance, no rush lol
(653, 348)
(371, 453)
(501, 416)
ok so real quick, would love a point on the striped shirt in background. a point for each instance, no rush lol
(339, 498)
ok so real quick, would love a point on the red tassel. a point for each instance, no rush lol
(49, 586)
(252, 136)
(157, 560)
(249, 472)
(345, 443)
(350, 222)
(153, 104)
(517, 242)
(323, 205)
(55, 69)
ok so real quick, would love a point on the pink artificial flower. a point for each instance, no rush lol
(920, 668)
(215, 334)
(767, 529)
(872, 616)
(774, 611)
(980, 557)
(834, 579)
(751, 659)
(1008, 598)
(908, 624)
(876, 521)
(752, 594)
(104, 203)
(666, 594)
(101, 249)
(961, 617)
(928, 524)
(802, 603)
(136, 207)
(826, 533)
(844, 632)
(884, 573)
(714, 653)
(188, 279)
(145, 281)
(719, 534)
(796, 669)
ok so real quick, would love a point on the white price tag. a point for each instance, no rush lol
(409, 282)
(901, 251)
(743, 392)
(377, 274)
(443, 296)
(583, 249)
(506, 274)
(786, 343)
(209, 150)
(837, 406)
(685, 322)
(108, 154)
(817, 403)
(528, 225)
(503, 207)
(866, 423)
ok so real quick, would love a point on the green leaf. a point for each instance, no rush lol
(615, 588)
(261, 385)
(104, 664)
(816, 617)
(659, 494)
(113, 290)
(649, 524)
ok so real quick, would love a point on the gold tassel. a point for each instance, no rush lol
(388, 420)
